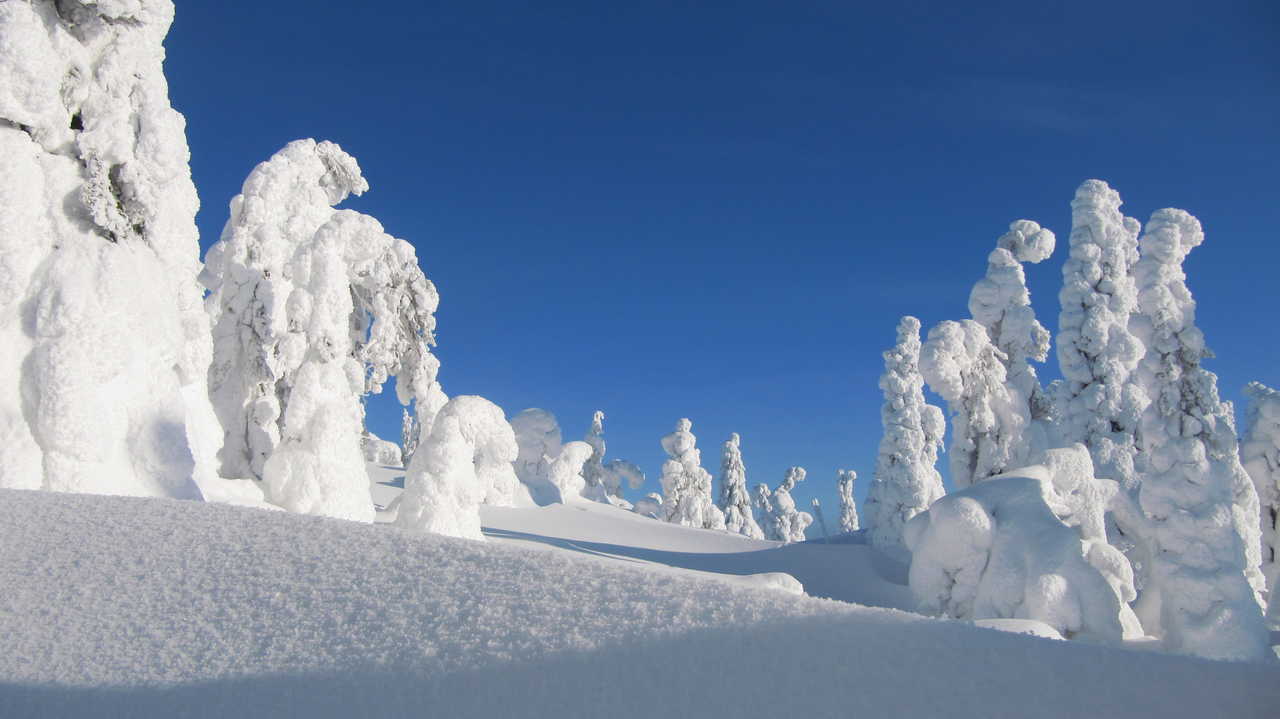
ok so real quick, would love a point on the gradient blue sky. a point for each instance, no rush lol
(720, 210)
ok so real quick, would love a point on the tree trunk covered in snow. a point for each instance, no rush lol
(103, 345)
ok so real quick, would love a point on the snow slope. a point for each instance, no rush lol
(116, 606)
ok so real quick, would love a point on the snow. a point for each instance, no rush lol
(98, 258)
(1260, 454)
(735, 501)
(686, 486)
(379, 451)
(279, 614)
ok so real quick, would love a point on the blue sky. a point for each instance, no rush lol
(720, 210)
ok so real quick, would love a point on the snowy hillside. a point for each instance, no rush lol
(157, 608)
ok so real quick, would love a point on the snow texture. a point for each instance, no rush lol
(1260, 454)
(379, 451)
(538, 439)
(785, 522)
(848, 510)
(164, 609)
(735, 501)
(906, 479)
(1099, 403)
(1202, 590)
(686, 486)
(997, 551)
(989, 423)
(103, 342)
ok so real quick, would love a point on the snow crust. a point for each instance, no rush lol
(168, 608)
(103, 345)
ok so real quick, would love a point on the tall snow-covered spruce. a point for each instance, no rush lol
(906, 479)
(1201, 510)
(1099, 402)
(848, 509)
(103, 343)
(312, 307)
(1260, 454)
(686, 486)
(735, 501)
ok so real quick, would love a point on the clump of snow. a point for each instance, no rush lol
(906, 479)
(686, 486)
(997, 551)
(1202, 593)
(1260, 454)
(735, 501)
(442, 494)
(98, 258)
(538, 438)
(379, 451)
(565, 471)
(1099, 403)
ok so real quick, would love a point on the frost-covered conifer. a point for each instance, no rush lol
(686, 486)
(409, 431)
(1099, 403)
(1260, 454)
(294, 282)
(1001, 302)
(962, 365)
(565, 470)
(1202, 587)
(787, 523)
(493, 442)
(441, 492)
(822, 521)
(848, 510)
(735, 502)
(762, 507)
(604, 480)
(906, 479)
(593, 470)
(104, 343)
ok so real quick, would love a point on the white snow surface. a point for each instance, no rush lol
(163, 608)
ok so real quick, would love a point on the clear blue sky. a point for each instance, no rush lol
(720, 210)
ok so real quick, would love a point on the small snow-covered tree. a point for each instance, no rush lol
(735, 502)
(105, 343)
(538, 438)
(962, 365)
(593, 470)
(409, 431)
(762, 507)
(1001, 302)
(787, 523)
(686, 486)
(848, 510)
(294, 282)
(565, 470)
(906, 479)
(493, 442)
(604, 480)
(1260, 454)
(1202, 589)
(1099, 403)
(441, 492)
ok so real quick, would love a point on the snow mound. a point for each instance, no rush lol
(163, 608)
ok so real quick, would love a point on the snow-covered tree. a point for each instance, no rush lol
(441, 492)
(1001, 302)
(292, 283)
(379, 451)
(686, 486)
(538, 438)
(409, 431)
(493, 442)
(848, 510)
(906, 479)
(604, 480)
(1201, 593)
(735, 502)
(105, 344)
(1099, 403)
(787, 524)
(593, 470)
(1027, 545)
(1260, 454)
(762, 508)
(962, 365)
(565, 470)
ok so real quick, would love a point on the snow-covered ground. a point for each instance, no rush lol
(114, 606)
